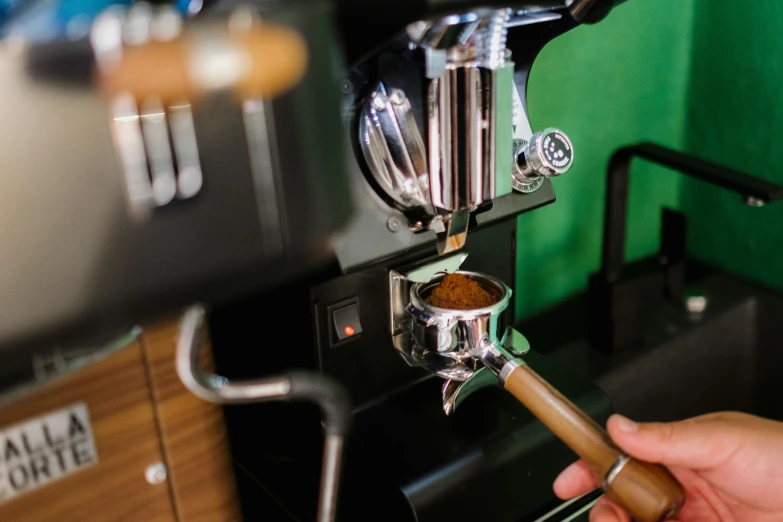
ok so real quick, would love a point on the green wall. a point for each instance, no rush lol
(615, 83)
(735, 117)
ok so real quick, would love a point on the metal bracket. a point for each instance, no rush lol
(454, 392)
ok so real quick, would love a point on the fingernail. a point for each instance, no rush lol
(625, 424)
(559, 483)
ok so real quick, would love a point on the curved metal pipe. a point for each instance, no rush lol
(330, 396)
(754, 190)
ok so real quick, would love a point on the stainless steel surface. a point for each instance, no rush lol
(457, 135)
(456, 231)
(527, 18)
(516, 344)
(330, 477)
(548, 153)
(615, 470)
(183, 133)
(509, 367)
(469, 348)
(218, 389)
(141, 128)
(459, 334)
(493, 357)
(400, 286)
(467, 159)
(481, 30)
(454, 392)
(519, 182)
(161, 161)
(393, 147)
(215, 388)
(129, 143)
(264, 164)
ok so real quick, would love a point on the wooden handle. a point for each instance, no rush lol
(648, 492)
(264, 61)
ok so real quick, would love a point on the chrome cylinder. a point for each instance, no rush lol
(459, 334)
(458, 135)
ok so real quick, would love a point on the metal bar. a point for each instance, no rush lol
(329, 395)
(754, 190)
(728, 178)
(330, 477)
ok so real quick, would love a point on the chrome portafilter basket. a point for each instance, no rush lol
(468, 348)
(459, 334)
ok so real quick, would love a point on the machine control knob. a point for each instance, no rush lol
(549, 153)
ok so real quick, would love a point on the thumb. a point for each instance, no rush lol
(698, 443)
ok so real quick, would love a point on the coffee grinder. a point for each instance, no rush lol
(442, 158)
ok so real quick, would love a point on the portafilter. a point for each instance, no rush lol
(476, 348)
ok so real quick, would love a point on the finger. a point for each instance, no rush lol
(605, 511)
(575, 480)
(700, 443)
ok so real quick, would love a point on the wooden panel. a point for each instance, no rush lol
(117, 395)
(193, 434)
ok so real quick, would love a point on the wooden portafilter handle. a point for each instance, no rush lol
(648, 492)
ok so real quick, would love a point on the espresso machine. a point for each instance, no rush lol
(356, 186)
(441, 159)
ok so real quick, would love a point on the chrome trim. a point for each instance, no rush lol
(400, 285)
(215, 388)
(542, 157)
(614, 470)
(218, 389)
(467, 160)
(518, 20)
(509, 367)
(456, 233)
(265, 170)
(161, 162)
(330, 477)
(393, 147)
(183, 133)
(454, 392)
(129, 143)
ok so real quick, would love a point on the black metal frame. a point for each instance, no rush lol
(619, 299)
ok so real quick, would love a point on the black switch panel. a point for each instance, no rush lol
(344, 321)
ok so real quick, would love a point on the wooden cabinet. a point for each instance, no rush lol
(140, 415)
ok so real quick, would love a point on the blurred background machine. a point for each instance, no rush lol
(276, 163)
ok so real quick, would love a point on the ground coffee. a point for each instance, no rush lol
(457, 292)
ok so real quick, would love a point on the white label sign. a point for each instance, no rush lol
(45, 449)
(522, 130)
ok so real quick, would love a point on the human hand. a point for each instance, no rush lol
(730, 464)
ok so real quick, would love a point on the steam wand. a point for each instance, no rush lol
(330, 396)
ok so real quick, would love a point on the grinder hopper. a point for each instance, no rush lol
(473, 349)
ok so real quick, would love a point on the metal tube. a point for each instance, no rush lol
(215, 388)
(330, 477)
(330, 396)
(755, 190)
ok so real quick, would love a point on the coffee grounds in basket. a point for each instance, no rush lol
(457, 292)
